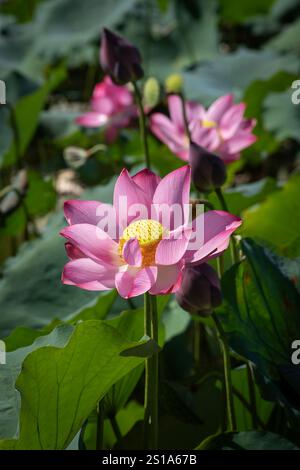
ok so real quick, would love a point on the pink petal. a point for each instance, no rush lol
(167, 279)
(92, 119)
(147, 181)
(103, 105)
(175, 110)
(227, 157)
(219, 107)
(218, 226)
(117, 94)
(208, 138)
(127, 194)
(194, 111)
(171, 250)
(87, 212)
(240, 141)
(132, 253)
(73, 252)
(89, 275)
(135, 281)
(93, 242)
(231, 120)
(248, 125)
(166, 131)
(172, 197)
(124, 96)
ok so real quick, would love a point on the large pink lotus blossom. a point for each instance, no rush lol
(148, 251)
(112, 106)
(221, 129)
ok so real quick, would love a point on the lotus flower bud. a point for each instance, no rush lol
(174, 83)
(200, 290)
(119, 58)
(208, 170)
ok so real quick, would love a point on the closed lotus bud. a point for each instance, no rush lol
(200, 290)
(174, 83)
(119, 58)
(208, 170)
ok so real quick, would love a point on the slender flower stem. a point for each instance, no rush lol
(227, 374)
(234, 250)
(221, 198)
(151, 376)
(252, 396)
(116, 429)
(148, 367)
(220, 265)
(154, 415)
(100, 427)
(185, 119)
(142, 118)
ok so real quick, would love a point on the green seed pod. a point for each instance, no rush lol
(151, 92)
(174, 83)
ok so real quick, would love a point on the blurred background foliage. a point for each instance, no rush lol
(49, 61)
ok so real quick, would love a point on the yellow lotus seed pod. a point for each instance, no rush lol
(174, 83)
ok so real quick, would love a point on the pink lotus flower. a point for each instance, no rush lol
(145, 254)
(112, 106)
(221, 129)
(171, 131)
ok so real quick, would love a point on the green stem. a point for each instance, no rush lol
(236, 393)
(100, 427)
(220, 265)
(154, 411)
(185, 119)
(151, 376)
(142, 118)
(116, 429)
(227, 374)
(252, 396)
(148, 366)
(222, 200)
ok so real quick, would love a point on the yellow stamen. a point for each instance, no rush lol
(208, 124)
(148, 233)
